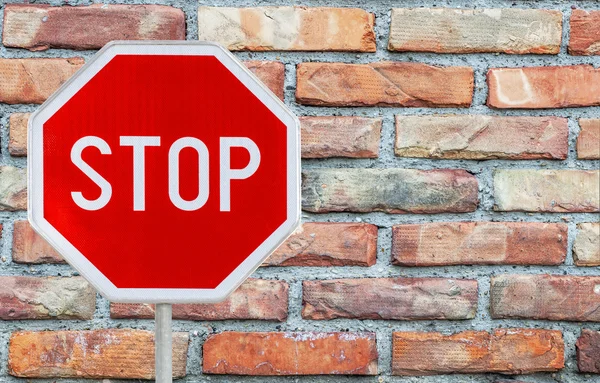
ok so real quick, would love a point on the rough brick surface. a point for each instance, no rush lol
(506, 351)
(588, 351)
(479, 243)
(278, 353)
(328, 244)
(588, 141)
(585, 32)
(383, 83)
(542, 296)
(17, 139)
(354, 137)
(118, 354)
(544, 87)
(481, 137)
(33, 80)
(288, 28)
(39, 27)
(547, 190)
(254, 299)
(390, 298)
(389, 190)
(586, 248)
(271, 73)
(13, 188)
(449, 30)
(30, 247)
(46, 298)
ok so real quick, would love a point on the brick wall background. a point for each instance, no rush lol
(491, 270)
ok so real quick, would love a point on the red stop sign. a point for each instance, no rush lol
(164, 172)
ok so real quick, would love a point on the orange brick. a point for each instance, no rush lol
(585, 33)
(588, 141)
(30, 247)
(271, 73)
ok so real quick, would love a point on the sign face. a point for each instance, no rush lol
(164, 172)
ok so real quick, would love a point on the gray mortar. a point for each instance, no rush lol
(294, 275)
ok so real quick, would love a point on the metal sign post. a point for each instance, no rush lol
(163, 341)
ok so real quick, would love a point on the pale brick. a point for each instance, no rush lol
(547, 190)
(118, 354)
(354, 137)
(390, 298)
(384, 84)
(588, 351)
(479, 243)
(17, 139)
(542, 296)
(505, 351)
(478, 137)
(585, 33)
(290, 353)
(586, 248)
(13, 188)
(328, 244)
(446, 30)
(271, 73)
(588, 141)
(288, 28)
(544, 87)
(389, 190)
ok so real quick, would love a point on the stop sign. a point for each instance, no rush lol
(164, 172)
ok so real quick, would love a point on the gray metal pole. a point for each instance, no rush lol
(163, 343)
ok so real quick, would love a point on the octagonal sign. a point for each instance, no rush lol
(164, 172)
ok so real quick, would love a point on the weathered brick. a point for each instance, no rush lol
(13, 188)
(445, 30)
(118, 354)
(33, 80)
(542, 296)
(588, 141)
(39, 27)
(505, 351)
(390, 298)
(547, 190)
(479, 243)
(588, 351)
(46, 298)
(544, 87)
(254, 299)
(290, 353)
(17, 140)
(30, 247)
(585, 33)
(328, 244)
(383, 83)
(389, 190)
(586, 248)
(271, 73)
(482, 137)
(331, 136)
(288, 28)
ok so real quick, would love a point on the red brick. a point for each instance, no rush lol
(544, 87)
(118, 354)
(588, 351)
(390, 298)
(354, 137)
(271, 73)
(585, 33)
(46, 298)
(384, 84)
(588, 141)
(290, 353)
(39, 27)
(451, 30)
(479, 243)
(17, 140)
(288, 28)
(328, 244)
(33, 80)
(13, 188)
(482, 137)
(255, 299)
(550, 297)
(389, 190)
(505, 351)
(30, 247)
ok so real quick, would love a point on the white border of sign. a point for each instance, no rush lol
(35, 168)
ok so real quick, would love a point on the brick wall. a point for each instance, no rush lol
(450, 196)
